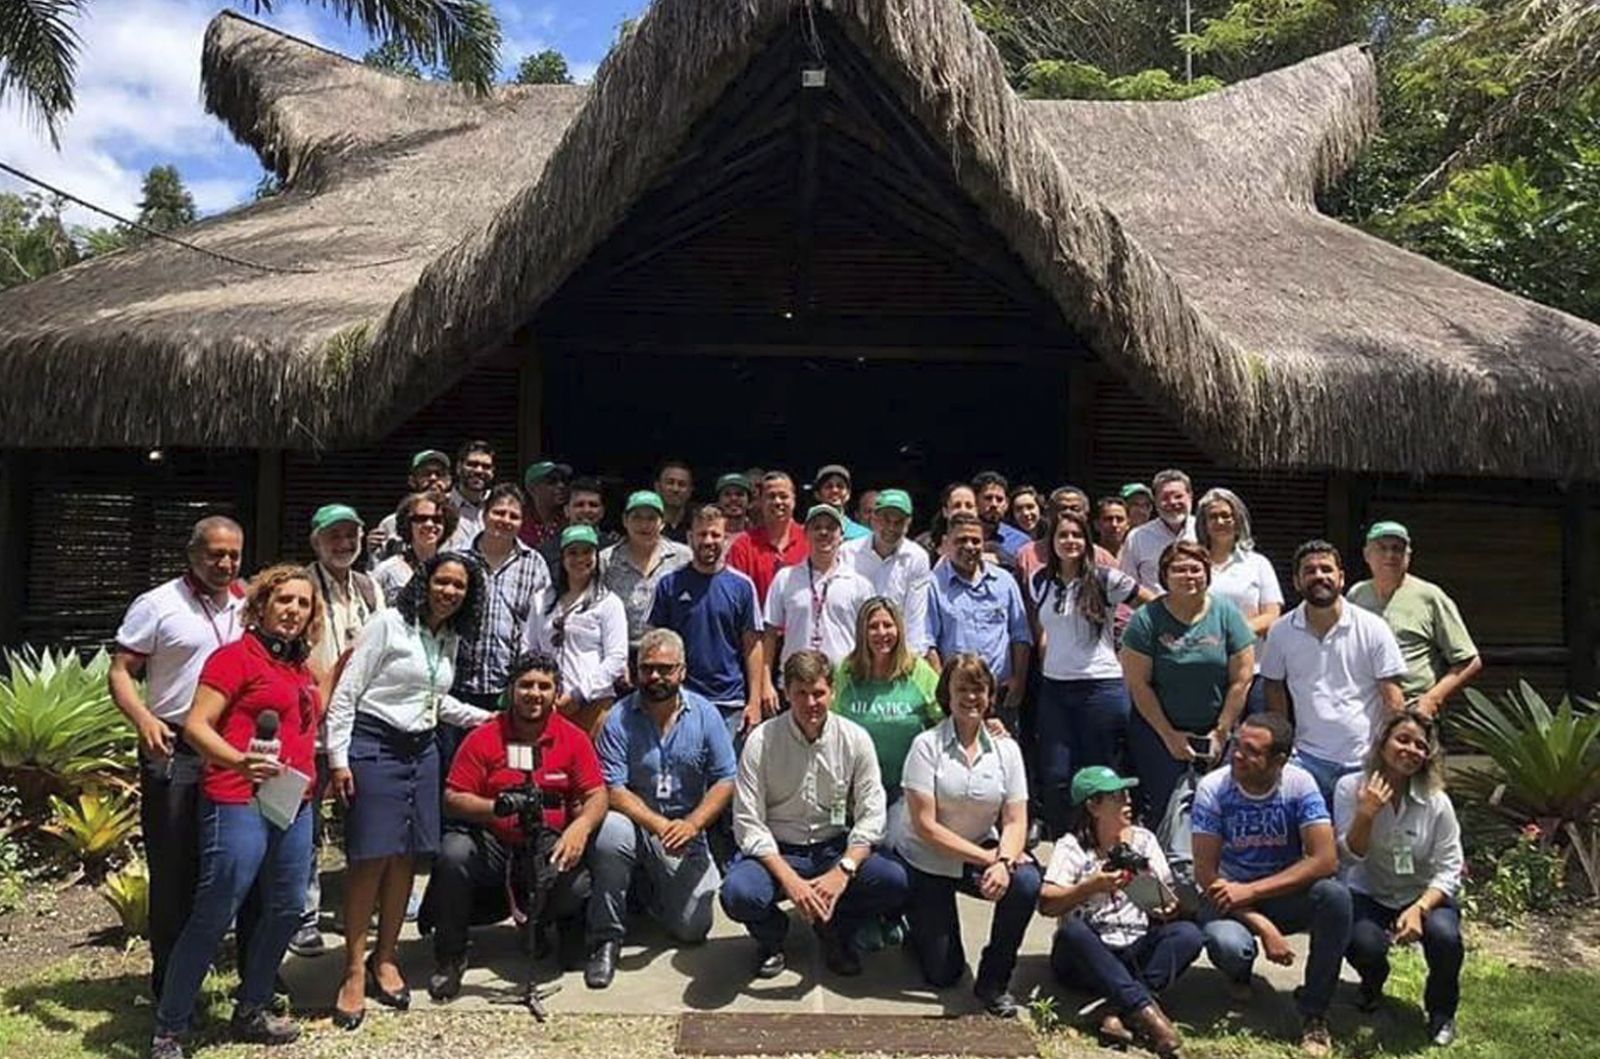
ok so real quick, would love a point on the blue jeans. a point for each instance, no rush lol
(1126, 977)
(1079, 723)
(750, 894)
(238, 847)
(1326, 773)
(1157, 769)
(936, 929)
(682, 887)
(1441, 947)
(1323, 911)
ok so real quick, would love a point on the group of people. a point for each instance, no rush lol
(727, 704)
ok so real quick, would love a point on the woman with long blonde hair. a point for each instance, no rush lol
(885, 688)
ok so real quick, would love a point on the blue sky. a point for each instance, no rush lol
(139, 92)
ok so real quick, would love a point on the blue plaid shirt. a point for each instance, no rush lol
(510, 594)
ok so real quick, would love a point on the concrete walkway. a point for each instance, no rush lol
(656, 978)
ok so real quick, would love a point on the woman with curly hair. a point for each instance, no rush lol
(242, 683)
(385, 762)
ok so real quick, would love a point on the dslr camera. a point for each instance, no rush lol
(1124, 857)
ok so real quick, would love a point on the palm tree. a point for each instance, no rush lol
(39, 44)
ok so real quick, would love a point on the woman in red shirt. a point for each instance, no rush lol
(247, 833)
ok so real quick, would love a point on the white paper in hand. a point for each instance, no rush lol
(279, 798)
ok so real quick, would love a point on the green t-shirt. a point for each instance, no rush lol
(1432, 636)
(1189, 663)
(892, 711)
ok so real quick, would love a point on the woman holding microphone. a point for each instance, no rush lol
(255, 689)
(385, 763)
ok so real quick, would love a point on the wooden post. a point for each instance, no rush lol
(1080, 425)
(1579, 564)
(1341, 518)
(266, 543)
(530, 406)
(13, 547)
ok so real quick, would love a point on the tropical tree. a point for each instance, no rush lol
(164, 201)
(392, 58)
(39, 43)
(548, 67)
(33, 241)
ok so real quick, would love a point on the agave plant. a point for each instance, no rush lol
(1545, 767)
(59, 729)
(128, 893)
(96, 828)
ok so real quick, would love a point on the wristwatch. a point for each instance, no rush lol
(848, 866)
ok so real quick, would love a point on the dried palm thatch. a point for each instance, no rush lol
(1180, 240)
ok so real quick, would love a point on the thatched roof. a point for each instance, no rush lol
(425, 226)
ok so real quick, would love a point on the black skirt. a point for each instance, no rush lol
(396, 808)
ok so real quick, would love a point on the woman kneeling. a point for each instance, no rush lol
(962, 785)
(1113, 941)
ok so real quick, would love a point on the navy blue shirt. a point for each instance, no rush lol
(712, 612)
(673, 774)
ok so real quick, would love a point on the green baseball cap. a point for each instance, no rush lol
(1133, 489)
(645, 498)
(579, 534)
(429, 456)
(732, 481)
(1097, 779)
(894, 500)
(825, 511)
(332, 514)
(1388, 528)
(538, 472)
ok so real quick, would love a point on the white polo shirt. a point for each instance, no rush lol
(967, 798)
(1334, 681)
(1141, 552)
(903, 577)
(174, 629)
(816, 611)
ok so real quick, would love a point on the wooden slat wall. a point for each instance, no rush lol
(108, 526)
(1130, 441)
(373, 480)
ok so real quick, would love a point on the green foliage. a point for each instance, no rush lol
(33, 241)
(1070, 79)
(1546, 763)
(96, 828)
(128, 894)
(59, 729)
(1044, 1011)
(164, 201)
(393, 57)
(39, 57)
(549, 67)
(13, 881)
(1527, 876)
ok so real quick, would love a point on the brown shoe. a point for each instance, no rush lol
(1113, 1033)
(1152, 1023)
(1315, 1040)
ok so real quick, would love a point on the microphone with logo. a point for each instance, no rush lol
(266, 742)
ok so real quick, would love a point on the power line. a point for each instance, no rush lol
(149, 231)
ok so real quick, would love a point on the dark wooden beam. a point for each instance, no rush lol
(1579, 562)
(807, 137)
(977, 335)
(530, 402)
(266, 538)
(1061, 357)
(14, 516)
(1081, 378)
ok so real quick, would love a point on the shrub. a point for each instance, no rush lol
(128, 894)
(1527, 876)
(96, 828)
(59, 729)
(1545, 768)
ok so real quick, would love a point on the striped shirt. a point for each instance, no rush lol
(510, 594)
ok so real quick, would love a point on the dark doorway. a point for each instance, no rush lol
(893, 422)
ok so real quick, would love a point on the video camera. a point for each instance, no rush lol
(533, 871)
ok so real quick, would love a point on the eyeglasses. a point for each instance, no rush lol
(437, 520)
(658, 669)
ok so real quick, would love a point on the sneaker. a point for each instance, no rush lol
(164, 1046)
(894, 932)
(1314, 1036)
(770, 963)
(998, 1003)
(1441, 1032)
(259, 1026)
(307, 941)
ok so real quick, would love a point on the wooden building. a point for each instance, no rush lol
(784, 232)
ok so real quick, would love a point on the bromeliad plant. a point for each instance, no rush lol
(1545, 768)
(59, 730)
(128, 893)
(96, 828)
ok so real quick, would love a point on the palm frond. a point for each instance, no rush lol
(39, 58)
(461, 35)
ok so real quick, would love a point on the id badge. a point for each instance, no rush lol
(663, 788)
(836, 815)
(1403, 863)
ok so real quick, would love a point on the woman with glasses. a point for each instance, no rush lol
(1239, 574)
(384, 755)
(584, 626)
(241, 844)
(426, 521)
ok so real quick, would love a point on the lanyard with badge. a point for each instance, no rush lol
(432, 655)
(342, 637)
(819, 604)
(211, 616)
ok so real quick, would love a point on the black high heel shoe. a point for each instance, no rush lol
(400, 1000)
(348, 1020)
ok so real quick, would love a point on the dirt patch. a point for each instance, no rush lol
(1569, 940)
(53, 923)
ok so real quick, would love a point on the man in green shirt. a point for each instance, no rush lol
(1438, 650)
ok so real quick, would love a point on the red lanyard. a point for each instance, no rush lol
(205, 608)
(819, 603)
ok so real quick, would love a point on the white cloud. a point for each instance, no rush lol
(138, 103)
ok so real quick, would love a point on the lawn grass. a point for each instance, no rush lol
(90, 1008)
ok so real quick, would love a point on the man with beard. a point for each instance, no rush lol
(733, 497)
(675, 486)
(895, 566)
(994, 500)
(1337, 664)
(585, 506)
(430, 473)
(349, 599)
(714, 610)
(527, 745)
(776, 542)
(669, 770)
(1141, 551)
(474, 476)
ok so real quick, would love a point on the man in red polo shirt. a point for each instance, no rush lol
(779, 541)
(529, 744)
